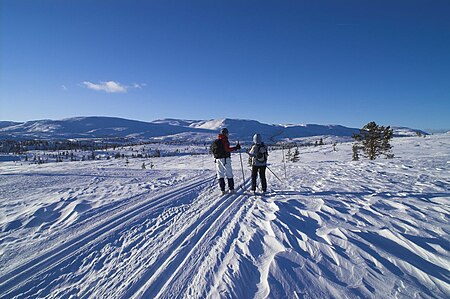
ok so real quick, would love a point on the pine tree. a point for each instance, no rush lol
(386, 147)
(295, 156)
(355, 149)
(288, 155)
(374, 140)
(250, 162)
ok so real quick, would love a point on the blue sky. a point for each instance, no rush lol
(326, 62)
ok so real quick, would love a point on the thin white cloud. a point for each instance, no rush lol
(109, 86)
(112, 86)
(64, 87)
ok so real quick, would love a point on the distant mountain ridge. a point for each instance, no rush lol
(4, 124)
(167, 129)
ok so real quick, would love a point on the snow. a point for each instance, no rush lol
(407, 132)
(4, 124)
(213, 124)
(334, 228)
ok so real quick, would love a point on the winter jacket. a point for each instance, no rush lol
(258, 152)
(226, 145)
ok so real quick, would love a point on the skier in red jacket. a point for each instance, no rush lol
(223, 161)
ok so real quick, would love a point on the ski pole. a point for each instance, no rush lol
(242, 168)
(284, 160)
(274, 174)
(214, 182)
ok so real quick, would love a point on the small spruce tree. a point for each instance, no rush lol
(250, 162)
(295, 156)
(288, 155)
(374, 141)
(355, 149)
(386, 147)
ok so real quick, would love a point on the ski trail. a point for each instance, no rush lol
(219, 243)
(41, 269)
(207, 216)
(182, 247)
(226, 238)
(218, 239)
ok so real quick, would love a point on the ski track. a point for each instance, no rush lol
(193, 237)
(216, 260)
(45, 269)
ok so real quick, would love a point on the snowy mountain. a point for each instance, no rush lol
(240, 129)
(407, 132)
(169, 129)
(91, 127)
(4, 124)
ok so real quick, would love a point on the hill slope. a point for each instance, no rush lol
(167, 129)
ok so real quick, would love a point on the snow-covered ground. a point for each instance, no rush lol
(333, 229)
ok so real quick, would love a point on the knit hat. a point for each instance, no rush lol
(224, 131)
(257, 139)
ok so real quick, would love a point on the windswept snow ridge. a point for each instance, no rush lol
(333, 228)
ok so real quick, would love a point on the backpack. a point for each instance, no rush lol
(217, 149)
(261, 153)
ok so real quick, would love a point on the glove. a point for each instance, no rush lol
(238, 146)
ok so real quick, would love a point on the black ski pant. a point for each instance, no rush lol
(262, 176)
(230, 184)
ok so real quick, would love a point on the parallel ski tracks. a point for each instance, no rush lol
(159, 276)
(25, 276)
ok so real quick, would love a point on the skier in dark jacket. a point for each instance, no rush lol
(259, 154)
(223, 163)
